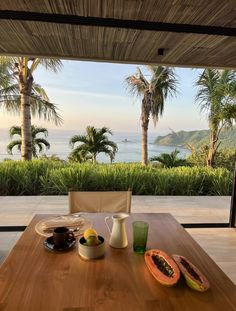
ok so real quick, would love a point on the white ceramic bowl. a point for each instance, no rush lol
(91, 252)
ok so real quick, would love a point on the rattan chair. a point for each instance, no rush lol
(100, 201)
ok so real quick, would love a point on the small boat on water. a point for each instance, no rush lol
(125, 141)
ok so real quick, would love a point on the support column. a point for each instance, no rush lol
(232, 219)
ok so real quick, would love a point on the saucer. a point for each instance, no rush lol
(49, 244)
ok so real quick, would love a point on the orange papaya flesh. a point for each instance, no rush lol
(195, 279)
(162, 267)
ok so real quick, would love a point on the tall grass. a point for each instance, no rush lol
(23, 178)
(54, 178)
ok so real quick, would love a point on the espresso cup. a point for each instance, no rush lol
(61, 236)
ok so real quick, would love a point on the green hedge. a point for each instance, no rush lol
(43, 177)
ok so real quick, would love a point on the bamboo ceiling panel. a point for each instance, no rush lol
(100, 43)
(200, 12)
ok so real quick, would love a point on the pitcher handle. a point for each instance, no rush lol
(106, 219)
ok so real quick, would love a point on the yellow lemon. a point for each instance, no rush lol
(92, 240)
(90, 232)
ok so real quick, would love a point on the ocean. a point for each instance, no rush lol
(129, 146)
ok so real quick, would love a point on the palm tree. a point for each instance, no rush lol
(20, 94)
(94, 142)
(38, 144)
(217, 95)
(80, 156)
(154, 93)
(170, 160)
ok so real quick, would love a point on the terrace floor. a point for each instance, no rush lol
(219, 243)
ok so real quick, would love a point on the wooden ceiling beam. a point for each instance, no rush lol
(116, 23)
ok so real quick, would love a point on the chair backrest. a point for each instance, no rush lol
(100, 201)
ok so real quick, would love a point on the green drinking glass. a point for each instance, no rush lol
(140, 234)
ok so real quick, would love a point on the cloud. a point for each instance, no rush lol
(87, 94)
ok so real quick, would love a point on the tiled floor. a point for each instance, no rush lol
(220, 243)
(20, 210)
(8, 240)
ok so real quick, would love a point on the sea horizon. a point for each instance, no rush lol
(129, 145)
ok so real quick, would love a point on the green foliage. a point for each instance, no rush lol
(38, 144)
(23, 178)
(11, 73)
(224, 157)
(197, 138)
(78, 155)
(95, 141)
(52, 157)
(198, 157)
(154, 92)
(162, 83)
(45, 177)
(170, 160)
(217, 95)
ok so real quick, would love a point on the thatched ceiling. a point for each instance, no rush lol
(62, 31)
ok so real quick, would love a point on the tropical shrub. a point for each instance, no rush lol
(170, 160)
(224, 158)
(45, 177)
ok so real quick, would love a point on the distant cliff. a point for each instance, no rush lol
(196, 138)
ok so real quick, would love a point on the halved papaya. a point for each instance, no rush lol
(193, 276)
(162, 267)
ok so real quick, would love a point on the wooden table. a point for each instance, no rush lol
(33, 279)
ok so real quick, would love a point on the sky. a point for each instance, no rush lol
(94, 93)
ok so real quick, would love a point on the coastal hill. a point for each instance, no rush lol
(196, 138)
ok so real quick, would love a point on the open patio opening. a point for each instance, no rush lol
(173, 33)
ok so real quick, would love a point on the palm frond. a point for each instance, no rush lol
(38, 90)
(34, 65)
(163, 83)
(11, 104)
(137, 84)
(9, 90)
(77, 139)
(207, 85)
(51, 64)
(36, 130)
(14, 143)
(105, 130)
(8, 60)
(15, 130)
(41, 143)
(107, 143)
(214, 91)
(79, 155)
(44, 109)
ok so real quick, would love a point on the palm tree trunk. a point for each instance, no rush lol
(25, 85)
(94, 158)
(26, 138)
(144, 125)
(212, 149)
(144, 144)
